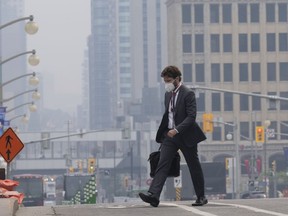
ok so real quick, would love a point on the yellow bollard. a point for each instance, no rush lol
(178, 193)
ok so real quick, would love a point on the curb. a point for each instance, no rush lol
(8, 206)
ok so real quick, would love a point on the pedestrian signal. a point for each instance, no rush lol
(259, 134)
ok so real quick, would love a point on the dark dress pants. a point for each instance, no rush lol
(168, 149)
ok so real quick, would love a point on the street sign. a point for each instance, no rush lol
(178, 181)
(10, 145)
(270, 133)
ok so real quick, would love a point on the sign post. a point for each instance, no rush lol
(178, 186)
(10, 146)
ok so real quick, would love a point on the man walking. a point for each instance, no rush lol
(178, 130)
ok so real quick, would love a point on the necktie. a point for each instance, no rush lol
(173, 105)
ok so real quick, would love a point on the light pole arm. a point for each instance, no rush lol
(20, 54)
(272, 97)
(18, 116)
(11, 98)
(19, 106)
(17, 20)
(16, 78)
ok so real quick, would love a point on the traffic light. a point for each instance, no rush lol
(207, 122)
(71, 169)
(259, 134)
(274, 166)
(91, 165)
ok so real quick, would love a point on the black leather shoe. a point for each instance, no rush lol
(149, 198)
(200, 201)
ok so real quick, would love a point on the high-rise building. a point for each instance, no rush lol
(234, 45)
(126, 54)
(13, 42)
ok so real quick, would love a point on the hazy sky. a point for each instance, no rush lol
(64, 26)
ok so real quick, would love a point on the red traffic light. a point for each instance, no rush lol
(259, 130)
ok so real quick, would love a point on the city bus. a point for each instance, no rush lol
(31, 185)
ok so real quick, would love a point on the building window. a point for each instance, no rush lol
(254, 14)
(283, 104)
(283, 76)
(244, 102)
(255, 42)
(242, 13)
(227, 13)
(216, 101)
(283, 43)
(244, 130)
(199, 13)
(199, 43)
(228, 72)
(243, 72)
(187, 43)
(271, 42)
(214, 13)
(227, 42)
(255, 72)
(271, 72)
(284, 129)
(215, 43)
(282, 12)
(256, 102)
(200, 73)
(228, 101)
(186, 13)
(243, 43)
(216, 135)
(187, 72)
(215, 72)
(270, 12)
(201, 102)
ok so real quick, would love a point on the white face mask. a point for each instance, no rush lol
(169, 86)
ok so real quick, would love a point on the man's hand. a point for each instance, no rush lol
(171, 133)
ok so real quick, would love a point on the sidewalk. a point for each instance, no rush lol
(8, 206)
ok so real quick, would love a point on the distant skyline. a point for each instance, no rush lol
(60, 43)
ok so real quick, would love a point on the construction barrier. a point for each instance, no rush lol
(7, 190)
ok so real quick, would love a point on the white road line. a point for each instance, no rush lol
(196, 211)
(190, 209)
(251, 208)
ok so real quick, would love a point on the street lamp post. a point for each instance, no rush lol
(24, 119)
(32, 81)
(32, 107)
(266, 125)
(33, 58)
(35, 95)
(236, 136)
(31, 27)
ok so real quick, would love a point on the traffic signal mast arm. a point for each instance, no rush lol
(271, 97)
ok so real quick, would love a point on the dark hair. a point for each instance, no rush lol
(171, 71)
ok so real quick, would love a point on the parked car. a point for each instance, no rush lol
(253, 195)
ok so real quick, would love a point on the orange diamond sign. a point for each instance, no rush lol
(10, 145)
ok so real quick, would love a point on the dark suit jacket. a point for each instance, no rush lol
(185, 116)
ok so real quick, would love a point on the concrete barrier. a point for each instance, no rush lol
(8, 206)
